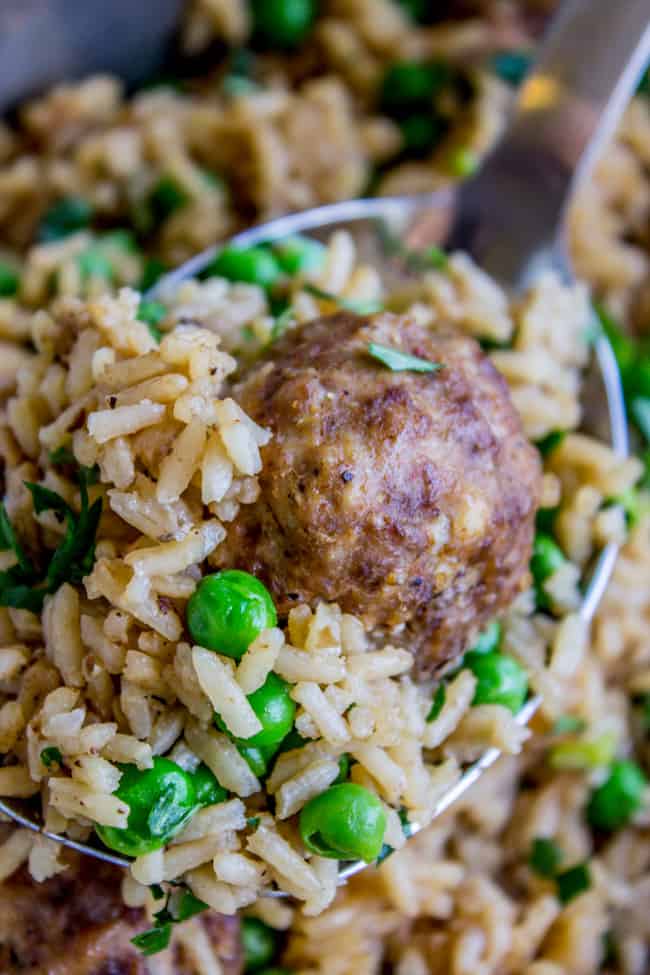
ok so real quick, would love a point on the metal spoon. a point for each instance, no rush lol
(510, 218)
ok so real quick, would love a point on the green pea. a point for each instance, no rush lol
(500, 680)
(207, 788)
(422, 133)
(283, 23)
(547, 559)
(299, 254)
(161, 801)
(65, 217)
(293, 740)
(613, 803)
(228, 610)
(408, 87)
(489, 639)
(9, 280)
(255, 265)
(275, 709)
(256, 758)
(346, 822)
(259, 943)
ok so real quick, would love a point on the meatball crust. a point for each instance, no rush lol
(408, 498)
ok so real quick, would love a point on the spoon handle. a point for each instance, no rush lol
(511, 216)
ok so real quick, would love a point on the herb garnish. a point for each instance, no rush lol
(425, 258)
(407, 829)
(568, 724)
(398, 361)
(180, 906)
(545, 856)
(24, 585)
(357, 305)
(281, 323)
(438, 702)
(572, 882)
(51, 756)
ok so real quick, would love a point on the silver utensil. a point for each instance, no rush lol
(43, 42)
(511, 218)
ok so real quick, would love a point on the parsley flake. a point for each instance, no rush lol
(545, 856)
(358, 306)
(24, 585)
(51, 756)
(181, 904)
(572, 882)
(438, 702)
(398, 361)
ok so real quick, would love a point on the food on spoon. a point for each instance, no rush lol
(406, 496)
(237, 700)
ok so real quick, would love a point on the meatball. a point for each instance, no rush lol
(408, 498)
(77, 924)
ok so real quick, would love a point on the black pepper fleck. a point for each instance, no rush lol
(112, 400)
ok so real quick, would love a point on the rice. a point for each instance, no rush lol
(168, 438)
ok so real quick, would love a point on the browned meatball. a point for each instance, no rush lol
(77, 924)
(408, 498)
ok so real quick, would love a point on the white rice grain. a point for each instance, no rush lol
(218, 683)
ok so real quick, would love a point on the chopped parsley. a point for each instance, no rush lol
(358, 306)
(281, 323)
(152, 313)
(644, 705)
(51, 756)
(548, 443)
(580, 754)
(640, 409)
(407, 829)
(569, 724)
(25, 585)
(152, 271)
(572, 882)
(62, 455)
(398, 361)
(545, 856)
(511, 66)
(438, 702)
(181, 905)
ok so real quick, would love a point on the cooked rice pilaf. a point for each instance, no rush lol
(108, 675)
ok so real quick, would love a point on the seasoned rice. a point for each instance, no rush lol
(107, 676)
